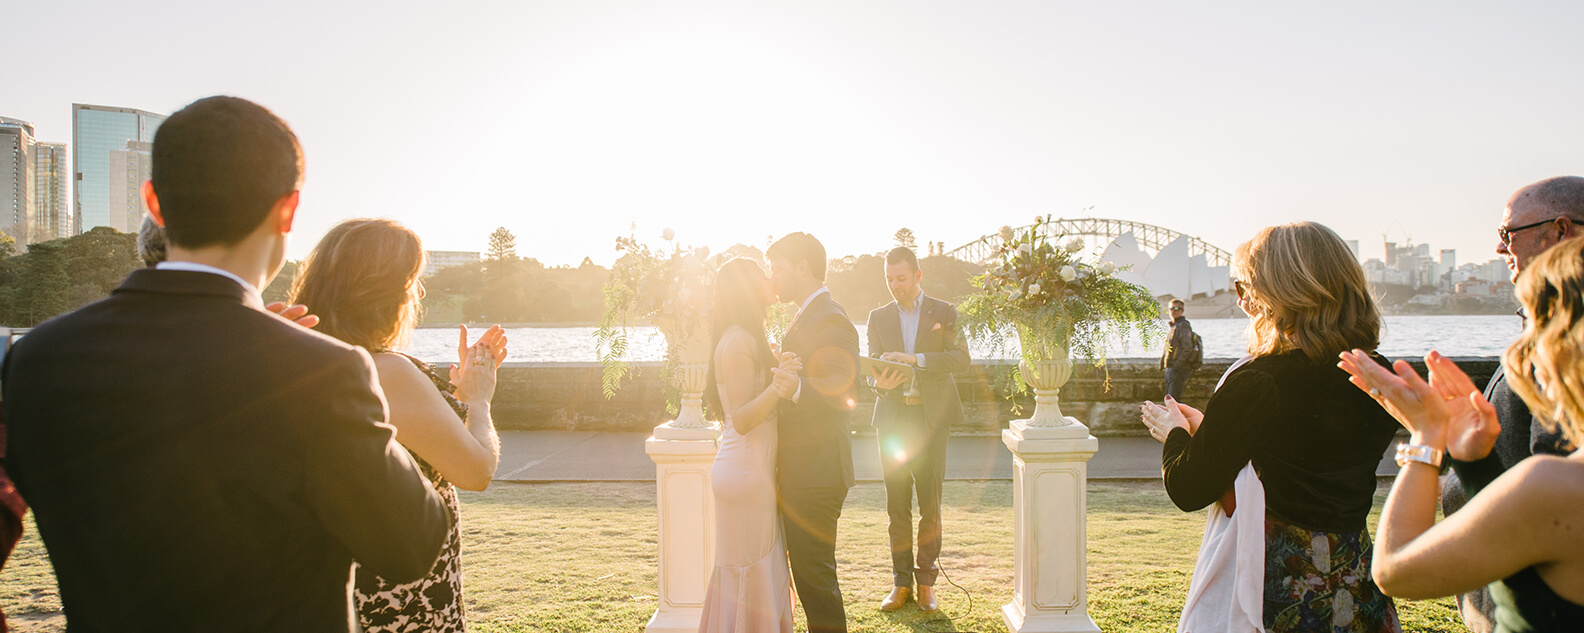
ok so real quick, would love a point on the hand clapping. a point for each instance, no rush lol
(1162, 419)
(1446, 411)
(295, 313)
(474, 375)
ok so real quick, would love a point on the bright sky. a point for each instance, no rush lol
(566, 122)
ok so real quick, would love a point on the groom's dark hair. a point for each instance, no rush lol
(220, 165)
(797, 247)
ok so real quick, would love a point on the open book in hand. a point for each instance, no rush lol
(874, 367)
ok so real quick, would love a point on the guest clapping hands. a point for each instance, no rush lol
(1522, 531)
(1287, 415)
(362, 281)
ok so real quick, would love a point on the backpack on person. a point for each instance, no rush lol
(1195, 354)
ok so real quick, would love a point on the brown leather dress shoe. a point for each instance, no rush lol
(899, 596)
(926, 599)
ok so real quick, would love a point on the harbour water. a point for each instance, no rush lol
(1403, 337)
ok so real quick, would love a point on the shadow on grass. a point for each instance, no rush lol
(912, 619)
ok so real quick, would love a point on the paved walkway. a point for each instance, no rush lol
(550, 456)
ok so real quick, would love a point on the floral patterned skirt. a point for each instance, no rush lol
(1320, 581)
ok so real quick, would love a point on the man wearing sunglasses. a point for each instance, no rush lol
(1538, 217)
(1183, 354)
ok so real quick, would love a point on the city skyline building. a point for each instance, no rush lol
(97, 132)
(16, 180)
(51, 198)
(436, 261)
(129, 167)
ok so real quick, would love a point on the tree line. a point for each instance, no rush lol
(59, 276)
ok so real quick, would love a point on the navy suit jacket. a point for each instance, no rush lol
(196, 463)
(945, 355)
(815, 442)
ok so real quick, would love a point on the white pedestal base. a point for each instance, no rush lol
(1050, 476)
(686, 508)
(668, 432)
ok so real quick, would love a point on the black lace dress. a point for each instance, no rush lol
(433, 603)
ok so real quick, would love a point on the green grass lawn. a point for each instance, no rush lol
(581, 557)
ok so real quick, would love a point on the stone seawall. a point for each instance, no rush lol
(567, 396)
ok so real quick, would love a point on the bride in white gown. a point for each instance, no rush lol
(750, 589)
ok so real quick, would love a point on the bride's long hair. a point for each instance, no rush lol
(741, 299)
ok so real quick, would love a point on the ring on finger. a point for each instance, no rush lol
(1374, 393)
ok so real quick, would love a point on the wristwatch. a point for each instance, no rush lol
(1418, 453)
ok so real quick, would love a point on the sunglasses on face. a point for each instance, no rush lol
(1506, 234)
(1237, 285)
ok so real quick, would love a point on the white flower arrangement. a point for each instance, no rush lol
(1052, 304)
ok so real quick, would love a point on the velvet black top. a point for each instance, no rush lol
(1313, 437)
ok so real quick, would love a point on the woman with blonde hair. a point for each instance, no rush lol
(362, 281)
(1288, 414)
(1522, 532)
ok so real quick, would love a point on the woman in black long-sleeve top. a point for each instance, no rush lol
(1313, 439)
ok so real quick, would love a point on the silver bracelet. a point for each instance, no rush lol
(1418, 453)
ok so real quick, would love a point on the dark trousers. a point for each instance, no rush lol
(1176, 381)
(913, 457)
(808, 519)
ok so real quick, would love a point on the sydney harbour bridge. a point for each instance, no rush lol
(1183, 266)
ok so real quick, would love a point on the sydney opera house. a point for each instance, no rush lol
(1173, 273)
(1183, 267)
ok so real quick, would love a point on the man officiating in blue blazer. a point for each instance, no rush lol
(913, 417)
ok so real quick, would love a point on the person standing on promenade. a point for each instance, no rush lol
(1537, 217)
(1182, 355)
(194, 461)
(814, 467)
(913, 419)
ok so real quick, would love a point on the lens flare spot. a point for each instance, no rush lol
(892, 446)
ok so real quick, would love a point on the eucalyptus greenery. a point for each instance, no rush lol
(1040, 297)
(670, 288)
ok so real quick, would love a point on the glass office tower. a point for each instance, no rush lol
(96, 132)
(51, 207)
(16, 180)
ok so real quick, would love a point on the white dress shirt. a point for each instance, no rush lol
(910, 326)
(252, 292)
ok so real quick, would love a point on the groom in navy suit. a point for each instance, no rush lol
(195, 462)
(814, 466)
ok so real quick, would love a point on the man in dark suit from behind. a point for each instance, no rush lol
(195, 462)
(913, 419)
(814, 467)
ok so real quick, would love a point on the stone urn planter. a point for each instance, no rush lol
(1046, 377)
(692, 376)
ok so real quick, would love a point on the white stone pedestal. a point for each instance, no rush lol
(686, 508)
(1050, 475)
